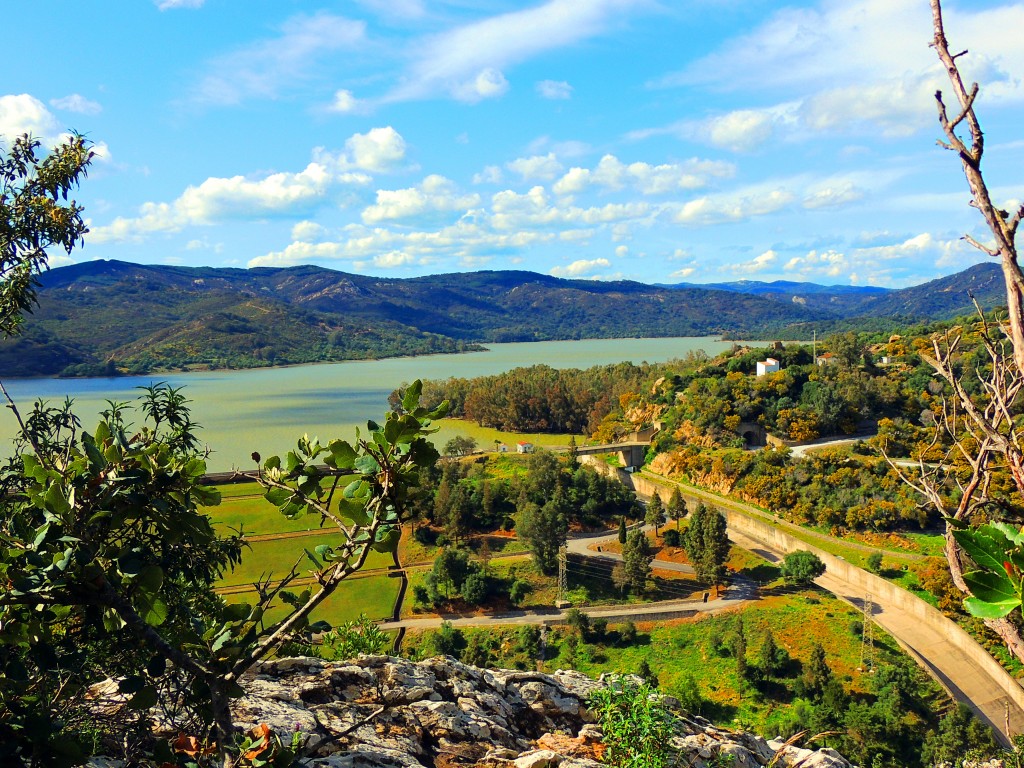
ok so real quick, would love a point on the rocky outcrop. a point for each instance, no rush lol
(391, 713)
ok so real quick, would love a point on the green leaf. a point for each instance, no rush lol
(153, 610)
(343, 455)
(367, 465)
(156, 666)
(1014, 534)
(387, 540)
(412, 396)
(986, 546)
(353, 510)
(992, 587)
(144, 699)
(274, 462)
(278, 496)
(984, 610)
(56, 501)
(237, 612)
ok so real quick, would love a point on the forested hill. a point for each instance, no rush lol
(108, 316)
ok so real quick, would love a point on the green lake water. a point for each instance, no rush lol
(266, 409)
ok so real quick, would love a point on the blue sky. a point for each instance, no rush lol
(660, 141)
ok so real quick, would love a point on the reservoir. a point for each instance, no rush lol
(267, 409)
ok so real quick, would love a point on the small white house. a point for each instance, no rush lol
(826, 359)
(771, 365)
(524, 447)
(502, 448)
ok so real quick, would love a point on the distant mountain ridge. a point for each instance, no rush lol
(105, 317)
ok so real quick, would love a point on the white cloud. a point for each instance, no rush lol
(736, 206)
(892, 75)
(447, 62)
(489, 83)
(263, 69)
(683, 273)
(580, 268)
(511, 211)
(379, 149)
(435, 194)
(542, 167)
(165, 5)
(344, 102)
(554, 89)
(309, 231)
(465, 238)
(23, 113)
(78, 104)
(832, 195)
(491, 174)
(612, 173)
(622, 251)
(742, 130)
(217, 199)
(757, 264)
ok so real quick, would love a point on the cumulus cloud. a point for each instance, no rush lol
(218, 199)
(23, 113)
(876, 264)
(512, 211)
(451, 61)
(554, 89)
(78, 104)
(580, 268)
(465, 238)
(263, 69)
(436, 194)
(648, 179)
(491, 174)
(538, 167)
(379, 149)
(221, 198)
(758, 264)
(309, 231)
(738, 206)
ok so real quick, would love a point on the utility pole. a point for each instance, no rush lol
(814, 346)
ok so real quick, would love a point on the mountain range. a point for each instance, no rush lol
(105, 317)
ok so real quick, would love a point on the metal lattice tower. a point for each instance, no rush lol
(563, 583)
(867, 637)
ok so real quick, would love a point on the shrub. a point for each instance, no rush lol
(637, 727)
(627, 633)
(802, 567)
(519, 590)
(875, 562)
(670, 536)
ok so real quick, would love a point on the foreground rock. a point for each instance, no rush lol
(387, 712)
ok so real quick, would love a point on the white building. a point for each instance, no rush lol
(771, 365)
(524, 447)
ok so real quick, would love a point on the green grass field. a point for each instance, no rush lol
(370, 595)
(485, 436)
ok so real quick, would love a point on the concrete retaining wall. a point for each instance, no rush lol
(857, 578)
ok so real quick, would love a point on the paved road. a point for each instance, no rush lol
(964, 679)
(742, 592)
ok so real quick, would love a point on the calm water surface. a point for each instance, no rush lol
(266, 409)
